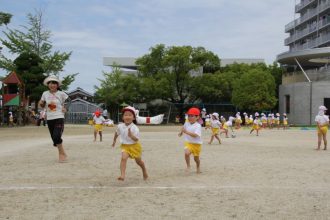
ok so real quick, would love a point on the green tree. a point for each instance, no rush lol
(117, 88)
(255, 90)
(172, 70)
(34, 39)
(4, 18)
(210, 88)
(29, 68)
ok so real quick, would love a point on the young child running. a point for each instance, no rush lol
(278, 121)
(264, 120)
(228, 124)
(285, 121)
(215, 127)
(130, 145)
(207, 122)
(98, 121)
(322, 122)
(256, 124)
(193, 137)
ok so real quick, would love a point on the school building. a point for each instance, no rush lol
(306, 85)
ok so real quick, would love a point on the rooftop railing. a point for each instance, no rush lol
(303, 4)
(310, 13)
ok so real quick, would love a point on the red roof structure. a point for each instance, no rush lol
(12, 78)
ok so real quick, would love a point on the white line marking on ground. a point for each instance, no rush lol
(51, 187)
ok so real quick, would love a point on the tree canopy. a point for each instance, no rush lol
(34, 40)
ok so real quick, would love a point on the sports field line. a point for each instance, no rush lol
(82, 187)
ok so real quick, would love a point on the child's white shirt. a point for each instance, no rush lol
(98, 120)
(195, 128)
(54, 104)
(215, 123)
(322, 119)
(122, 131)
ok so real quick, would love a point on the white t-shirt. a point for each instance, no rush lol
(322, 119)
(122, 131)
(98, 120)
(54, 104)
(195, 128)
(215, 124)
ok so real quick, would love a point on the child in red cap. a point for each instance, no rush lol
(130, 145)
(193, 137)
(98, 121)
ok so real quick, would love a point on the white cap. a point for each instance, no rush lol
(256, 114)
(204, 109)
(215, 114)
(52, 78)
(323, 108)
(277, 114)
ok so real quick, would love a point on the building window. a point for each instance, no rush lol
(287, 104)
(327, 103)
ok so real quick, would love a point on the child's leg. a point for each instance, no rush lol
(123, 162)
(319, 139)
(144, 170)
(187, 157)
(198, 163)
(95, 133)
(212, 137)
(251, 131)
(257, 132)
(100, 132)
(325, 141)
(61, 153)
(218, 138)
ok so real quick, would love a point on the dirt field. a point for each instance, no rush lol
(277, 175)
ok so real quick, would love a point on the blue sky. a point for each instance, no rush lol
(93, 29)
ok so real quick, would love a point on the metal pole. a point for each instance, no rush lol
(310, 92)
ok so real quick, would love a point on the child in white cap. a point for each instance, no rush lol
(256, 124)
(215, 127)
(277, 121)
(322, 121)
(285, 121)
(130, 146)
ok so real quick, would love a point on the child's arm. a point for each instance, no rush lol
(189, 133)
(130, 134)
(114, 139)
(181, 132)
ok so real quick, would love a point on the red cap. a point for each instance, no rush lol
(97, 113)
(194, 111)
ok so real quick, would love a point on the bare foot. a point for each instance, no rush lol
(145, 176)
(121, 178)
(317, 149)
(62, 158)
(219, 142)
(198, 171)
(209, 142)
(188, 169)
(325, 148)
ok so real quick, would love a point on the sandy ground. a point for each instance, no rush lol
(277, 175)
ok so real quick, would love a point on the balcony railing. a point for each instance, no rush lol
(312, 43)
(303, 4)
(310, 13)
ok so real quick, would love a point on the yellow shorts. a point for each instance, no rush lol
(323, 130)
(98, 127)
(285, 123)
(215, 130)
(207, 123)
(255, 127)
(195, 149)
(133, 150)
(225, 126)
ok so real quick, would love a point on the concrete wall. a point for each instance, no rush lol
(300, 101)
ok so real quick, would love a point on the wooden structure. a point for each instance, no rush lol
(13, 98)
